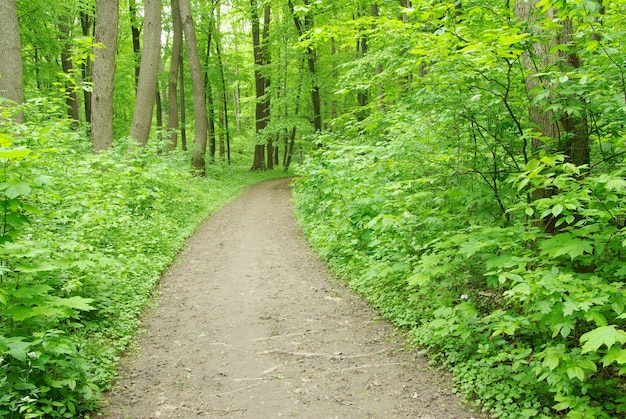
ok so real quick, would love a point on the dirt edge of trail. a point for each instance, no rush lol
(248, 322)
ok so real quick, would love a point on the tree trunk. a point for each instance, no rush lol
(379, 68)
(149, 72)
(311, 58)
(183, 105)
(209, 89)
(107, 16)
(237, 96)
(11, 71)
(172, 93)
(135, 34)
(199, 98)
(225, 127)
(262, 103)
(86, 23)
(569, 134)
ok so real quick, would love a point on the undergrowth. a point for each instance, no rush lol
(531, 323)
(84, 240)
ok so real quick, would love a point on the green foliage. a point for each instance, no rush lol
(459, 220)
(84, 240)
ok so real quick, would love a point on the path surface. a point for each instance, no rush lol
(250, 324)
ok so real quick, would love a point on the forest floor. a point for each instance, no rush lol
(249, 323)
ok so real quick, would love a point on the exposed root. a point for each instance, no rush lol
(337, 356)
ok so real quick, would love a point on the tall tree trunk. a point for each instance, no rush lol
(149, 74)
(107, 16)
(237, 96)
(71, 99)
(183, 105)
(379, 68)
(262, 103)
(311, 58)
(569, 134)
(172, 93)
(135, 34)
(220, 61)
(86, 23)
(11, 70)
(209, 89)
(199, 99)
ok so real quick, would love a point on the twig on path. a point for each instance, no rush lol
(283, 336)
(241, 389)
(338, 356)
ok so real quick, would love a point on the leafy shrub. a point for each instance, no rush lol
(83, 242)
(531, 322)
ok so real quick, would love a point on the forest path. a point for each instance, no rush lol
(249, 323)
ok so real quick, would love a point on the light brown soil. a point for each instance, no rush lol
(249, 323)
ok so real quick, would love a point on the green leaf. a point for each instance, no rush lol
(15, 153)
(551, 360)
(418, 279)
(18, 348)
(615, 354)
(604, 335)
(576, 372)
(597, 317)
(17, 189)
(566, 244)
(78, 303)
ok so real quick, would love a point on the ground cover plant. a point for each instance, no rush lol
(526, 326)
(85, 238)
(476, 195)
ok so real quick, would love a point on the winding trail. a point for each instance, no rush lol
(250, 324)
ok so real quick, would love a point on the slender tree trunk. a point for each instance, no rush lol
(209, 89)
(220, 61)
(107, 16)
(237, 96)
(135, 35)
(379, 68)
(175, 68)
(86, 23)
(183, 105)
(199, 98)
(210, 116)
(262, 104)
(11, 70)
(311, 58)
(148, 76)
(362, 95)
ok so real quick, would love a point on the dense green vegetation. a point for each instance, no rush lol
(84, 240)
(478, 199)
(467, 177)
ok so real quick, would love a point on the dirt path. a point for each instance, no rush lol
(250, 324)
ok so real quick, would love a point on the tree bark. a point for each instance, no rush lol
(149, 72)
(569, 134)
(183, 104)
(172, 90)
(311, 58)
(199, 98)
(209, 89)
(107, 17)
(86, 23)
(262, 107)
(224, 97)
(11, 70)
(135, 34)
